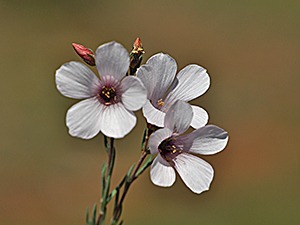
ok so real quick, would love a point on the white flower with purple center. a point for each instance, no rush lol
(174, 150)
(164, 89)
(108, 103)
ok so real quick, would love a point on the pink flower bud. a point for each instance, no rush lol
(85, 53)
(136, 55)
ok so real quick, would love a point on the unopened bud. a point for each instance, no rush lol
(85, 53)
(136, 55)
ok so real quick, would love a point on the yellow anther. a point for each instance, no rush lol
(160, 102)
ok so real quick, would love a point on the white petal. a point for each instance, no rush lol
(179, 117)
(195, 172)
(75, 80)
(117, 121)
(148, 77)
(153, 115)
(112, 59)
(193, 81)
(161, 173)
(157, 137)
(200, 117)
(207, 140)
(135, 94)
(165, 68)
(84, 118)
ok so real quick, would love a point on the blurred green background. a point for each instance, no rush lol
(252, 52)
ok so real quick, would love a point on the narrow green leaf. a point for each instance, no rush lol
(94, 214)
(87, 216)
(113, 155)
(144, 139)
(146, 164)
(103, 184)
(112, 194)
(130, 170)
(106, 144)
(116, 200)
(121, 222)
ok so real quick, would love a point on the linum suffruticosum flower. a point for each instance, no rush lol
(109, 102)
(164, 89)
(174, 150)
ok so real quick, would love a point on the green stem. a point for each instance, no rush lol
(103, 201)
(133, 176)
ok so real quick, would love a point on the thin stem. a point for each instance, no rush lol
(103, 201)
(110, 155)
(132, 178)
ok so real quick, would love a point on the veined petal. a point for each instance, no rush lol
(148, 77)
(179, 117)
(75, 80)
(135, 94)
(153, 115)
(112, 59)
(84, 118)
(117, 121)
(193, 81)
(165, 68)
(161, 173)
(157, 137)
(195, 172)
(206, 140)
(200, 117)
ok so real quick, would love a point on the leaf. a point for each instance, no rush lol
(143, 167)
(94, 214)
(117, 189)
(106, 144)
(104, 167)
(113, 156)
(87, 216)
(144, 139)
(129, 172)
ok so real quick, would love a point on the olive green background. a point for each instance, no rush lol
(251, 50)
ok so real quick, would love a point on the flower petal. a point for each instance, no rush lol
(165, 68)
(207, 140)
(153, 115)
(162, 173)
(157, 137)
(193, 81)
(112, 59)
(75, 80)
(195, 172)
(148, 77)
(84, 118)
(135, 94)
(117, 121)
(200, 117)
(179, 117)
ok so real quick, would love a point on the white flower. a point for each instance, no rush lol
(164, 89)
(174, 150)
(109, 102)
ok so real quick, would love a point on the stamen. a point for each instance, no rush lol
(160, 103)
(107, 95)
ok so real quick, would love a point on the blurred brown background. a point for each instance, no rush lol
(252, 52)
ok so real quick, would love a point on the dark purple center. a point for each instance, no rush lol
(107, 95)
(168, 149)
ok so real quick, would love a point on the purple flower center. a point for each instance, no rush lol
(168, 149)
(109, 93)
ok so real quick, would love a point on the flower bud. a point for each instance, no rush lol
(85, 53)
(136, 55)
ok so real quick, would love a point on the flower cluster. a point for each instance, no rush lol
(108, 103)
